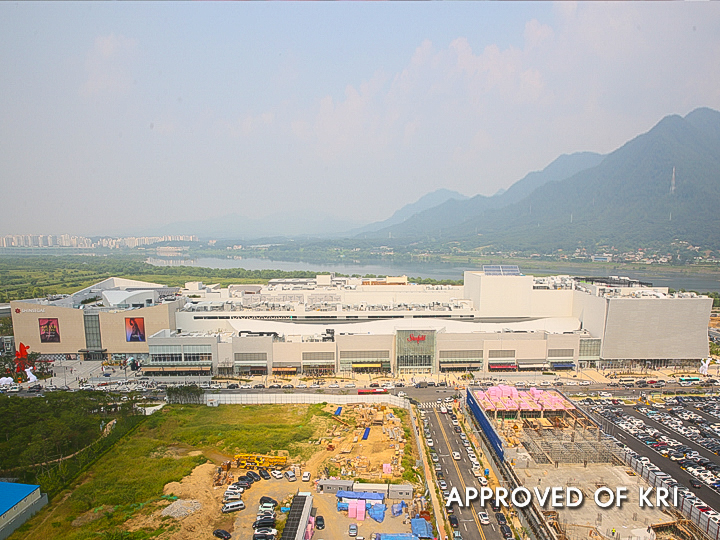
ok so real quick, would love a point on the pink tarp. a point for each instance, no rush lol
(352, 508)
(387, 468)
(360, 510)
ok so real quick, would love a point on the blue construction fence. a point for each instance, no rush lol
(485, 425)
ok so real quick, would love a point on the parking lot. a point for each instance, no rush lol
(675, 440)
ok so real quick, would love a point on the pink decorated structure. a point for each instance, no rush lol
(507, 401)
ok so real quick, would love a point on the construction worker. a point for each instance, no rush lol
(613, 532)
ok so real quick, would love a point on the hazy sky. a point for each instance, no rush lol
(118, 116)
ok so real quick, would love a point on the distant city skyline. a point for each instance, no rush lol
(120, 118)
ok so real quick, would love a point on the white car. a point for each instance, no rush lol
(277, 475)
(306, 476)
(334, 385)
(302, 386)
(349, 385)
(430, 443)
(571, 383)
(443, 410)
(402, 394)
(448, 400)
(543, 383)
(245, 386)
(584, 383)
(605, 394)
(456, 456)
(484, 518)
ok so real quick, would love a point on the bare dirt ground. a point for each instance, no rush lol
(715, 322)
(358, 458)
(196, 486)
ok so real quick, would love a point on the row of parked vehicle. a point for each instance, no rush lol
(690, 461)
(702, 470)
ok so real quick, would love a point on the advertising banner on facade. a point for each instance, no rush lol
(49, 330)
(134, 329)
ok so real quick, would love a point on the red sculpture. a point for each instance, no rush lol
(21, 358)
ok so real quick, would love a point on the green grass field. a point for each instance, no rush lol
(133, 473)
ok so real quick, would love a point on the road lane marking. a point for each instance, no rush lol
(472, 507)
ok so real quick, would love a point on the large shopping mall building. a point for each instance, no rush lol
(500, 320)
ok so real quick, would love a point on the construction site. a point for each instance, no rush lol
(354, 441)
(365, 441)
(542, 427)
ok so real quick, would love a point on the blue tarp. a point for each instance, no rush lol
(377, 512)
(421, 528)
(360, 495)
(339, 410)
(397, 509)
(406, 536)
(342, 506)
(365, 435)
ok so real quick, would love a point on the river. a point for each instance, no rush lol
(691, 281)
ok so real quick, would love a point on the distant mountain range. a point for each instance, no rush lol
(454, 212)
(430, 200)
(626, 198)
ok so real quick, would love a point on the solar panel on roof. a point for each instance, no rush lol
(510, 270)
(501, 270)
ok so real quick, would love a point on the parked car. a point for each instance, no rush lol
(505, 531)
(352, 529)
(222, 533)
(306, 476)
(290, 476)
(233, 506)
(277, 475)
(263, 473)
(265, 500)
(484, 518)
(255, 476)
(454, 523)
(320, 523)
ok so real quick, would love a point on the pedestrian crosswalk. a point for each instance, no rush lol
(433, 405)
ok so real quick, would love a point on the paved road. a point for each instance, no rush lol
(457, 474)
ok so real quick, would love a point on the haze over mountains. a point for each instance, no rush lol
(625, 198)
